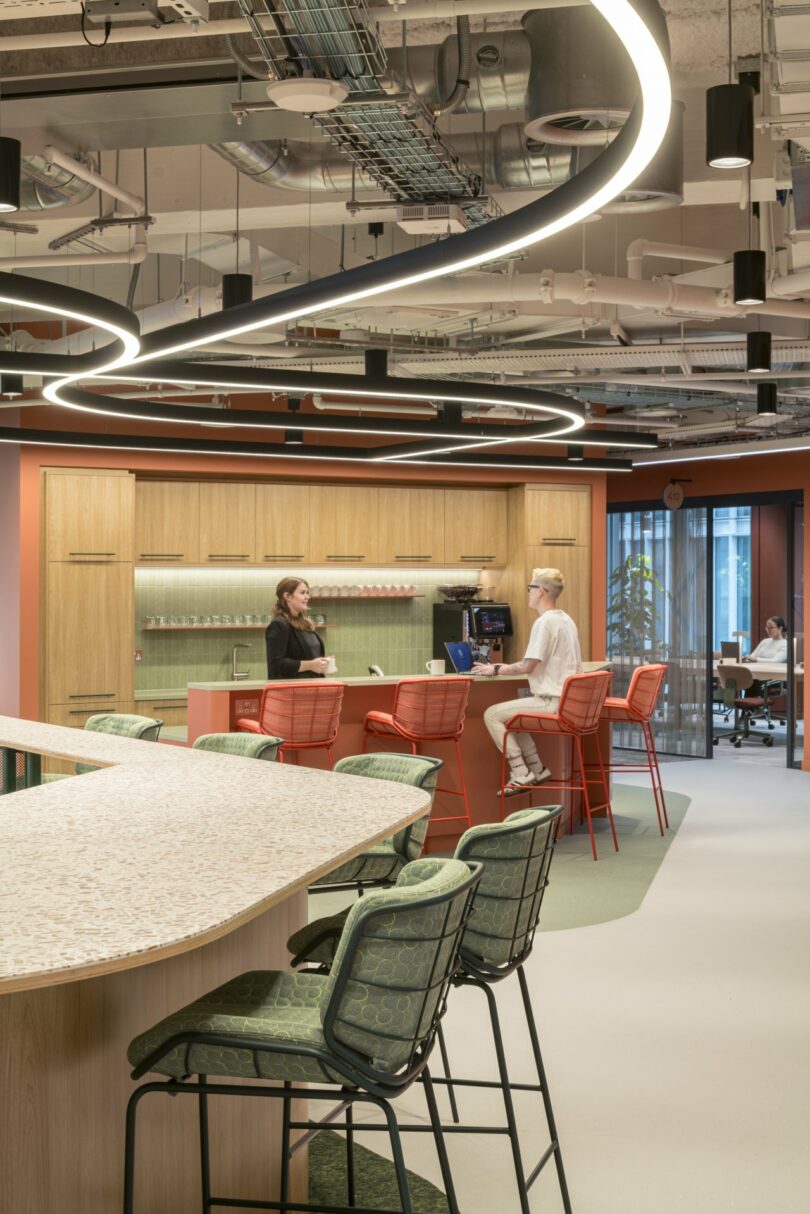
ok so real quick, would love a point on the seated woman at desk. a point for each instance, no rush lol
(294, 649)
(774, 647)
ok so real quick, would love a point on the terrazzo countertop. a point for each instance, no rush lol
(368, 680)
(164, 849)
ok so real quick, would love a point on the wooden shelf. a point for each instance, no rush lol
(213, 627)
(340, 598)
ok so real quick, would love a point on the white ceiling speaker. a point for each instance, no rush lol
(307, 94)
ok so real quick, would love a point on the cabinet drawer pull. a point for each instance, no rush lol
(346, 556)
(228, 556)
(424, 556)
(82, 712)
(283, 556)
(161, 556)
(159, 706)
(91, 554)
(92, 695)
(558, 539)
(477, 557)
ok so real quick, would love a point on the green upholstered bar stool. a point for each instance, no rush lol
(515, 856)
(122, 724)
(361, 1033)
(244, 745)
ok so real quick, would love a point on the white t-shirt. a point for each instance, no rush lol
(772, 649)
(554, 642)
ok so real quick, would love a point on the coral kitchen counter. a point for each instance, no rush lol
(216, 707)
(125, 893)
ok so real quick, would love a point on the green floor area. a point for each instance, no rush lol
(581, 892)
(375, 1181)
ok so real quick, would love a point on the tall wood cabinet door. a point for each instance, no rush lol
(575, 565)
(89, 618)
(411, 526)
(344, 525)
(89, 515)
(282, 524)
(227, 524)
(167, 522)
(475, 527)
(558, 516)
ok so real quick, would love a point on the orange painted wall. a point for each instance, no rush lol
(32, 459)
(719, 478)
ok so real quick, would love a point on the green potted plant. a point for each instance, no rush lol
(633, 615)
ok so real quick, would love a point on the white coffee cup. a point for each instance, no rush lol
(331, 665)
(435, 666)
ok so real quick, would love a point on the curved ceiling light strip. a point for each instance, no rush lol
(610, 174)
(248, 450)
(69, 303)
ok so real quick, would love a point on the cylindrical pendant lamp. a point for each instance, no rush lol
(749, 276)
(729, 126)
(236, 289)
(766, 400)
(9, 174)
(758, 351)
(576, 453)
(376, 364)
(11, 385)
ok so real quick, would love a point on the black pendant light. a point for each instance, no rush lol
(9, 174)
(758, 351)
(729, 126)
(236, 289)
(576, 454)
(376, 364)
(766, 399)
(294, 438)
(11, 385)
(749, 276)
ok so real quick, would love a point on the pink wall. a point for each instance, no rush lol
(9, 580)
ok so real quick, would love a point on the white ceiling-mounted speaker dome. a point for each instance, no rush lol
(307, 94)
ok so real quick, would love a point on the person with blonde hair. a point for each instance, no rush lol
(552, 654)
(294, 649)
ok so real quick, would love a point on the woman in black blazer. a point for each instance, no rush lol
(294, 649)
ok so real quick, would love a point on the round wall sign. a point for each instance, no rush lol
(673, 496)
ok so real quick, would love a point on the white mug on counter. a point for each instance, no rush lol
(435, 666)
(331, 665)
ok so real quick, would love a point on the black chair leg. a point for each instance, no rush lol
(205, 1152)
(441, 1148)
(511, 1120)
(286, 1117)
(541, 1075)
(399, 1159)
(350, 1173)
(451, 1095)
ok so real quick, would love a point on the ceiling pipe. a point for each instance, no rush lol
(791, 284)
(45, 187)
(49, 261)
(637, 250)
(54, 156)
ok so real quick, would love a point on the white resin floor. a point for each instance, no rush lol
(675, 1039)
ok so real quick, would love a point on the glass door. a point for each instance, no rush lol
(658, 611)
(796, 640)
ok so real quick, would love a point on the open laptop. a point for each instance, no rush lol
(730, 651)
(460, 655)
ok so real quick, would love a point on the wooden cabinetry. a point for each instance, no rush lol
(411, 526)
(475, 527)
(88, 634)
(282, 524)
(227, 523)
(344, 525)
(558, 515)
(167, 522)
(170, 712)
(88, 515)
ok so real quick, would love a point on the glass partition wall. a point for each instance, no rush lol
(685, 586)
(658, 612)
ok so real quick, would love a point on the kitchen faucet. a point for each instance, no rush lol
(238, 674)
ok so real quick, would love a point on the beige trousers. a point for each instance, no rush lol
(521, 751)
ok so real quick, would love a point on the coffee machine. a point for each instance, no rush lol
(482, 625)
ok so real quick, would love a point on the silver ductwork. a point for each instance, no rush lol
(499, 71)
(660, 185)
(44, 186)
(508, 161)
(581, 83)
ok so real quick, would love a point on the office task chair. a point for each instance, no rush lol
(735, 679)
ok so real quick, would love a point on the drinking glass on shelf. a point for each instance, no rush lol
(343, 592)
(193, 620)
(315, 592)
(216, 620)
(240, 619)
(160, 621)
(227, 619)
(149, 621)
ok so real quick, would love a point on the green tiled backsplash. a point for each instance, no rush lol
(393, 633)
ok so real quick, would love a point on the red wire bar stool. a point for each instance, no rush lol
(637, 708)
(577, 717)
(305, 715)
(427, 710)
